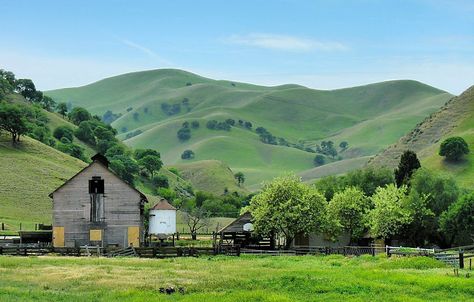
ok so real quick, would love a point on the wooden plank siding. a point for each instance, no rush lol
(72, 206)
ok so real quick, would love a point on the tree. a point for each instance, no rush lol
(151, 163)
(240, 177)
(103, 133)
(327, 148)
(454, 148)
(141, 153)
(195, 124)
(319, 160)
(390, 213)
(286, 206)
(369, 179)
(64, 131)
(248, 125)
(85, 133)
(78, 115)
(187, 154)
(344, 145)
(27, 89)
(230, 121)
(160, 181)
(124, 167)
(408, 164)
(195, 218)
(61, 108)
(346, 213)
(48, 103)
(13, 120)
(74, 150)
(115, 150)
(212, 124)
(457, 223)
(184, 134)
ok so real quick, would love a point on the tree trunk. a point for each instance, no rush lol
(288, 242)
(13, 138)
(193, 236)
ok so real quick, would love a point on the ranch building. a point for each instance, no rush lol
(96, 207)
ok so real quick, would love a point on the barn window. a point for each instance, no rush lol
(96, 192)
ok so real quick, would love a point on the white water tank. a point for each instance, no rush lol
(162, 219)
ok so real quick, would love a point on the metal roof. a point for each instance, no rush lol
(163, 205)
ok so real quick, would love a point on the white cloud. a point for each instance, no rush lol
(284, 42)
(145, 50)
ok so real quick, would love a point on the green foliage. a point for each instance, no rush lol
(64, 131)
(187, 154)
(344, 145)
(171, 109)
(62, 109)
(195, 124)
(141, 153)
(327, 148)
(240, 177)
(85, 132)
(287, 206)
(67, 147)
(390, 213)
(184, 134)
(115, 150)
(408, 164)
(13, 120)
(319, 160)
(27, 89)
(454, 148)
(160, 181)
(457, 223)
(347, 212)
(124, 167)
(78, 115)
(151, 163)
(47, 103)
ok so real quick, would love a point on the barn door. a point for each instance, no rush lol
(134, 236)
(58, 236)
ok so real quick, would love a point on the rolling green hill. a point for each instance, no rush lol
(456, 118)
(368, 117)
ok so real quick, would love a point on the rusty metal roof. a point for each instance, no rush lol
(163, 205)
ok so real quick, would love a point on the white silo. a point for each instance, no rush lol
(162, 221)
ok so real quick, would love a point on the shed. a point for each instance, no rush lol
(97, 207)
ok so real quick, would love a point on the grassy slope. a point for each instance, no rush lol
(28, 173)
(369, 117)
(210, 176)
(454, 119)
(246, 278)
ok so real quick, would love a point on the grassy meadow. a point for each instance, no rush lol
(369, 117)
(245, 278)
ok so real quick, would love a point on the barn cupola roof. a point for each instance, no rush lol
(100, 158)
(163, 205)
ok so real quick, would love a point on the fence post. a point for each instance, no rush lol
(388, 250)
(373, 251)
(461, 259)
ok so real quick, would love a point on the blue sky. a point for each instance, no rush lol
(319, 44)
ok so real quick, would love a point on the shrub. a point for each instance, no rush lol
(64, 131)
(187, 154)
(454, 148)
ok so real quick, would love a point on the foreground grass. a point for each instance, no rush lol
(307, 278)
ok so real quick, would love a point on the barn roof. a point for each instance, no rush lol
(237, 226)
(99, 158)
(163, 204)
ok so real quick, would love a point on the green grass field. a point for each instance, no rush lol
(369, 117)
(245, 278)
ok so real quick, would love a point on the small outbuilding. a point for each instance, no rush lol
(96, 207)
(162, 222)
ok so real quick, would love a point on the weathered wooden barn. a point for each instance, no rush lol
(96, 207)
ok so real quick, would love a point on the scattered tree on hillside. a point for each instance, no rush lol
(187, 154)
(47, 103)
(109, 117)
(286, 206)
(78, 115)
(327, 148)
(64, 131)
(151, 163)
(85, 133)
(184, 134)
(240, 177)
(125, 167)
(195, 124)
(344, 145)
(408, 164)
(248, 125)
(27, 89)
(62, 109)
(13, 120)
(230, 121)
(160, 181)
(454, 148)
(319, 160)
(141, 153)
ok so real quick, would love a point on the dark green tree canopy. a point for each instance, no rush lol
(454, 148)
(13, 120)
(79, 114)
(187, 154)
(62, 109)
(64, 131)
(151, 163)
(141, 153)
(408, 164)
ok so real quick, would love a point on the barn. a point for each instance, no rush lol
(96, 207)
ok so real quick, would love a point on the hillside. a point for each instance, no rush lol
(456, 118)
(28, 173)
(158, 102)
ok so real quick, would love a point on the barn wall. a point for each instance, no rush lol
(71, 209)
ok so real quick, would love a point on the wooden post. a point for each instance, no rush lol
(3, 226)
(20, 226)
(461, 259)
(470, 264)
(388, 250)
(373, 251)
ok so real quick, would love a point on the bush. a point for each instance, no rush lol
(454, 148)
(184, 134)
(160, 181)
(64, 131)
(78, 115)
(319, 160)
(85, 132)
(187, 154)
(195, 124)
